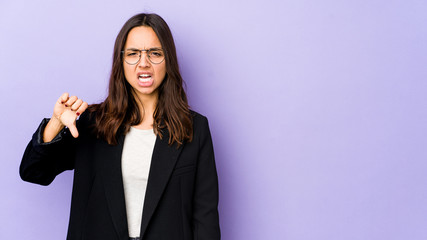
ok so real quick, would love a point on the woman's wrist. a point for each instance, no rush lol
(53, 127)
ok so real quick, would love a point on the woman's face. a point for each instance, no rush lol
(145, 77)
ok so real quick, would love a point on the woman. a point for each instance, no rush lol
(143, 162)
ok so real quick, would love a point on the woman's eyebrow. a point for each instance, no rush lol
(136, 49)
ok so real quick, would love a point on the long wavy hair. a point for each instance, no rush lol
(120, 110)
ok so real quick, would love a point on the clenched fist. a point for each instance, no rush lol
(65, 113)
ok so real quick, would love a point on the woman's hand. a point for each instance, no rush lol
(65, 113)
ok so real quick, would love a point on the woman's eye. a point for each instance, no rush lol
(156, 54)
(131, 54)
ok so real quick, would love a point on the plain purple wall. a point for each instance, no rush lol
(317, 109)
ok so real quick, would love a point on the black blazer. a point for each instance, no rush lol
(182, 190)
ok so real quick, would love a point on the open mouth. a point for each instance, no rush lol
(144, 77)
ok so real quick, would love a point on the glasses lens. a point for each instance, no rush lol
(131, 57)
(156, 56)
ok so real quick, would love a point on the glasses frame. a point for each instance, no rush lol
(147, 55)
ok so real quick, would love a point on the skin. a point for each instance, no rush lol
(143, 38)
(67, 109)
(65, 113)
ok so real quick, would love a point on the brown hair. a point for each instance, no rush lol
(119, 111)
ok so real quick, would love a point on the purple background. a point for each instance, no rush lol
(317, 108)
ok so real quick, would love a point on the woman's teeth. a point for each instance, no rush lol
(144, 77)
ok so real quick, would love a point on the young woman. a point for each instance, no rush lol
(143, 162)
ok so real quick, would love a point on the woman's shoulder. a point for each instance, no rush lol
(200, 123)
(86, 121)
(87, 117)
(198, 118)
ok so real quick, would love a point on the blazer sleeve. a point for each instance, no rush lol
(42, 162)
(205, 211)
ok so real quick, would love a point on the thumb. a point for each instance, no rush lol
(73, 130)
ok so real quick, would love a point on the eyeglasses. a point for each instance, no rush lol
(133, 56)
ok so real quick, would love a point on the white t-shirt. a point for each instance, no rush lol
(136, 160)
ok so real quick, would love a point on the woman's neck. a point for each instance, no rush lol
(147, 105)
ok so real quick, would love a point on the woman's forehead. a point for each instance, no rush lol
(142, 37)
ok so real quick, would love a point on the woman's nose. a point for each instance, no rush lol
(144, 62)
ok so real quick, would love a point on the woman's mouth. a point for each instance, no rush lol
(144, 77)
(145, 80)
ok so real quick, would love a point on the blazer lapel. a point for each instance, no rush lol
(162, 164)
(113, 184)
